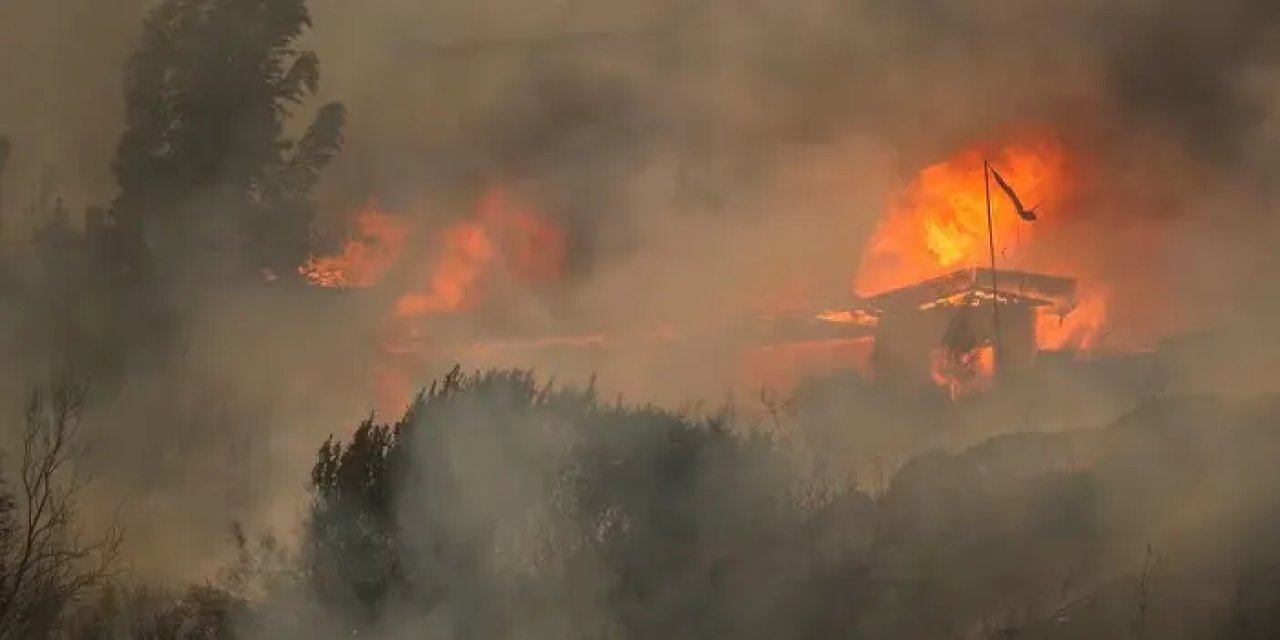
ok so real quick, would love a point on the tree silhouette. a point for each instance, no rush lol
(204, 162)
(494, 464)
(46, 564)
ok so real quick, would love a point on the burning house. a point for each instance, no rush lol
(964, 329)
(934, 318)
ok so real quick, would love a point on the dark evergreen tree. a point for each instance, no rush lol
(204, 162)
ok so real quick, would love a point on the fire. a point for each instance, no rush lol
(467, 252)
(853, 317)
(501, 238)
(966, 373)
(374, 247)
(939, 223)
(1080, 329)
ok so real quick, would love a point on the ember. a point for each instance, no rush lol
(374, 247)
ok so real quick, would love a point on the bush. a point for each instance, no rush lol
(492, 484)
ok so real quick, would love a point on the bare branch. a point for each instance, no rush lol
(45, 562)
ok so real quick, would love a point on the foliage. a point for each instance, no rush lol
(46, 565)
(436, 508)
(500, 507)
(204, 160)
(202, 612)
(648, 524)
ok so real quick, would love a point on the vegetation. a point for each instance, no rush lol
(211, 188)
(499, 506)
(204, 162)
(46, 563)
(491, 486)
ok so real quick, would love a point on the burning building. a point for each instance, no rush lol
(964, 329)
(933, 319)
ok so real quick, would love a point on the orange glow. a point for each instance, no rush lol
(502, 237)
(856, 317)
(374, 247)
(1078, 330)
(532, 249)
(781, 365)
(939, 223)
(466, 254)
(963, 374)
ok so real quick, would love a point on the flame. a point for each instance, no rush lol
(501, 238)
(503, 235)
(854, 317)
(939, 223)
(1078, 330)
(963, 374)
(467, 253)
(936, 225)
(375, 245)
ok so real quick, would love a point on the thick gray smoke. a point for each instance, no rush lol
(700, 155)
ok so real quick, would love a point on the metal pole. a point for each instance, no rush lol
(991, 242)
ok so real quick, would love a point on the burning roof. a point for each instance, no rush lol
(1012, 287)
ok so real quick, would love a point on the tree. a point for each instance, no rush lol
(204, 162)
(494, 491)
(45, 562)
(353, 550)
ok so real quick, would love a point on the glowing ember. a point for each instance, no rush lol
(964, 373)
(1078, 330)
(855, 317)
(374, 247)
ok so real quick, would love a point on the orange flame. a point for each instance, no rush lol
(1078, 330)
(502, 235)
(964, 374)
(940, 222)
(502, 238)
(466, 254)
(374, 247)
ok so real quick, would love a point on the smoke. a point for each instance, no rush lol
(705, 160)
(62, 102)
